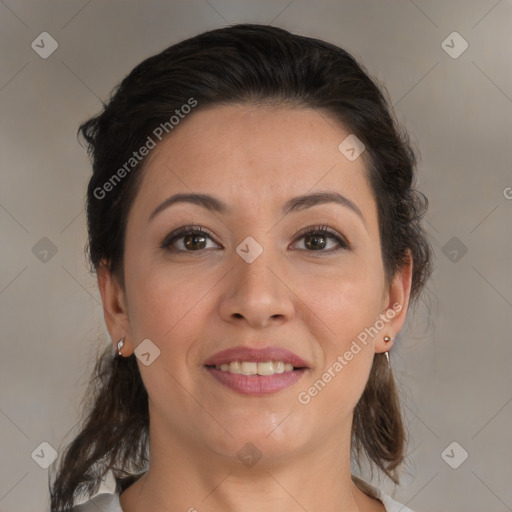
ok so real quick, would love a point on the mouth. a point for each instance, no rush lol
(253, 371)
(255, 384)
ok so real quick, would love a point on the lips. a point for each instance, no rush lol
(258, 355)
(246, 383)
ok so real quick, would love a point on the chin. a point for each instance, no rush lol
(261, 436)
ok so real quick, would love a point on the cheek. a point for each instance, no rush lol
(347, 350)
(349, 315)
(167, 309)
(345, 308)
(167, 305)
(345, 300)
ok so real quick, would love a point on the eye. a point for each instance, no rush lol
(316, 239)
(194, 239)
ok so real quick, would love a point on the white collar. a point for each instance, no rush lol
(108, 485)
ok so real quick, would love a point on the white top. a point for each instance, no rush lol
(107, 497)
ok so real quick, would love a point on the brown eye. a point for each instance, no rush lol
(194, 240)
(317, 239)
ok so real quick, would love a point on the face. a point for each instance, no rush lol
(255, 278)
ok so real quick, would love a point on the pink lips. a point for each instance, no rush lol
(256, 384)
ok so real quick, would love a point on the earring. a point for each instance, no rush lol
(120, 345)
(387, 339)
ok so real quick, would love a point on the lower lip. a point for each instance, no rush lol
(256, 384)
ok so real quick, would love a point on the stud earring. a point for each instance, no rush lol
(120, 345)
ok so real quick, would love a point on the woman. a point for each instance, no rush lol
(257, 239)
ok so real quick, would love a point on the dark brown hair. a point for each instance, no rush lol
(246, 63)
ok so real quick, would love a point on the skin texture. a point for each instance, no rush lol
(193, 304)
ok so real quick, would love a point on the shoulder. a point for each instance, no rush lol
(389, 503)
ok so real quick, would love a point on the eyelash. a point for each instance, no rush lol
(197, 230)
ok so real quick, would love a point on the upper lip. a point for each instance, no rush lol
(242, 353)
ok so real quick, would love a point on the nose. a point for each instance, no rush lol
(257, 293)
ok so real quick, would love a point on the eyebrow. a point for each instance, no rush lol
(294, 204)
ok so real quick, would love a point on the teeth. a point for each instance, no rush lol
(234, 367)
(266, 368)
(255, 368)
(279, 367)
(249, 368)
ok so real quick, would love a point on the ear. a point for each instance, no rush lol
(114, 308)
(396, 304)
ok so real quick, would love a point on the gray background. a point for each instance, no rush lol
(453, 360)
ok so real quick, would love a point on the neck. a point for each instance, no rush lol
(185, 476)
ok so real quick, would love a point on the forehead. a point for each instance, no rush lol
(253, 157)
